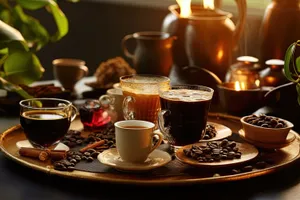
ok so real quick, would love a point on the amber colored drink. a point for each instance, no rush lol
(146, 106)
(141, 94)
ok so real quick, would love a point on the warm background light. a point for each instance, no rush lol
(185, 8)
(209, 4)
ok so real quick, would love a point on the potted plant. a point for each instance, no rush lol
(292, 67)
(21, 36)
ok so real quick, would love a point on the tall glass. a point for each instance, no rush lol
(141, 96)
(183, 115)
(46, 120)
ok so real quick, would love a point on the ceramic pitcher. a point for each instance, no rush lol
(207, 38)
(153, 52)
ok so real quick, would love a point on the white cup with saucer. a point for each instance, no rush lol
(134, 140)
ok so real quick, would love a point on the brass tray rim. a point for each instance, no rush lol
(82, 175)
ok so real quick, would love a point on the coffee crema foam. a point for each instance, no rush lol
(187, 95)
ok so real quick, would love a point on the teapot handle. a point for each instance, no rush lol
(124, 47)
(242, 9)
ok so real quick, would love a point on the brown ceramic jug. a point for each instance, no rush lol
(152, 54)
(206, 38)
(280, 28)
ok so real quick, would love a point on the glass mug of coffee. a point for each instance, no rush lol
(46, 120)
(141, 96)
(183, 115)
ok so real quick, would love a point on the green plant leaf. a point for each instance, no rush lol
(8, 34)
(61, 21)
(288, 61)
(14, 88)
(22, 68)
(298, 64)
(31, 29)
(33, 4)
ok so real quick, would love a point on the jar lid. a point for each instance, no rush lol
(274, 62)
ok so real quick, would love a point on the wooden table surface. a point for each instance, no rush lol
(22, 183)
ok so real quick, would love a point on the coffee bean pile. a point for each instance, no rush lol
(210, 132)
(214, 151)
(74, 157)
(265, 121)
(74, 139)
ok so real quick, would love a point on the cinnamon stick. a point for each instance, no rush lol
(42, 154)
(58, 154)
(34, 153)
(92, 146)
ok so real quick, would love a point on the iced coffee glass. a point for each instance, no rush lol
(141, 96)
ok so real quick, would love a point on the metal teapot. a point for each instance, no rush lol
(205, 38)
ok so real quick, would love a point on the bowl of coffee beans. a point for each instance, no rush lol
(266, 129)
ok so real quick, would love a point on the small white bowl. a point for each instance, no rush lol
(266, 135)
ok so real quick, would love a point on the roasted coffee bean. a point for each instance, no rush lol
(79, 142)
(91, 150)
(73, 161)
(232, 144)
(90, 159)
(84, 158)
(235, 171)
(72, 139)
(94, 155)
(247, 168)
(261, 165)
(87, 154)
(70, 168)
(78, 158)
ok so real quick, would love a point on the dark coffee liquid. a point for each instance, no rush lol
(187, 115)
(44, 128)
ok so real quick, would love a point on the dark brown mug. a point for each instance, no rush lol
(69, 71)
(153, 53)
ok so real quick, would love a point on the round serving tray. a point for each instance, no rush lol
(282, 158)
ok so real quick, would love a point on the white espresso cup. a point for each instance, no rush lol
(115, 98)
(134, 140)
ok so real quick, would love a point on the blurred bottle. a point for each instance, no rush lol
(280, 28)
(273, 75)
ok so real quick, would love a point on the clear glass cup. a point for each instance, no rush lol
(46, 120)
(183, 115)
(141, 96)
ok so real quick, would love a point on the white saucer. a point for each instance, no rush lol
(26, 144)
(156, 159)
(222, 132)
(290, 138)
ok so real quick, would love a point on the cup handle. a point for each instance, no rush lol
(106, 100)
(128, 114)
(161, 121)
(160, 136)
(85, 69)
(124, 47)
(74, 113)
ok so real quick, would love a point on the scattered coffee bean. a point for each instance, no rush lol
(261, 165)
(235, 171)
(90, 159)
(247, 168)
(265, 121)
(94, 155)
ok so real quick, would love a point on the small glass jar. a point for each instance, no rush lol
(95, 114)
(245, 73)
